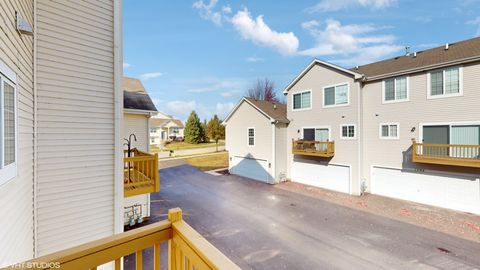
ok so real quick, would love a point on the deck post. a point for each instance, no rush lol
(174, 214)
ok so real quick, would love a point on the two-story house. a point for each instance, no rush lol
(407, 127)
(165, 128)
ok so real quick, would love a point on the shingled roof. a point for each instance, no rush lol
(456, 52)
(276, 111)
(135, 97)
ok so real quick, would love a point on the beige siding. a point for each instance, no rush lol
(16, 196)
(136, 124)
(346, 151)
(75, 123)
(281, 145)
(410, 114)
(245, 117)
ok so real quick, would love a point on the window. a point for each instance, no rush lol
(153, 130)
(336, 95)
(175, 130)
(395, 89)
(302, 100)
(348, 131)
(251, 136)
(389, 131)
(445, 83)
(8, 122)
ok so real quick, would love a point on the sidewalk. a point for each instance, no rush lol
(188, 152)
(459, 224)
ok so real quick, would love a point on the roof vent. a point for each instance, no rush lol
(446, 46)
(275, 106)
(414, 54)
(356, 67)
(407, 50)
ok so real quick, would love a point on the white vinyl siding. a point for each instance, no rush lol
(136, 124)
(389, 131)
(302, 100)
(395, 90)
(336, 95)
(445, 83)
(348, 131)
(16, 195)
(75, 133)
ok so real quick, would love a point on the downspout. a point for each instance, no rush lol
(35, 126)
(360, 139)
(274, 158)
(118, 120)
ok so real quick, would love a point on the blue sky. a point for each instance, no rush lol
(203, 55)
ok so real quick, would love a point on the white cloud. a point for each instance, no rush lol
(222, 109)
(352, 44)
(126, 65)
(253, 59)
(230, 93)
(215, 84)
(257, 31)
(335, 5)
(181, 109)
(476, 22)
(150, 75)
(207, 11)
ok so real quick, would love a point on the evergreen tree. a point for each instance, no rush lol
(205, 138)
(215, 130)
(193, 129)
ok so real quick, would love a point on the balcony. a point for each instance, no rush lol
(187, 249)
(447, 154)
(313, 148)
(140, 172)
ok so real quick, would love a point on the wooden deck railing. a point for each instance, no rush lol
(187, 249)
(140, 173)
(446, 154)
(313, 148)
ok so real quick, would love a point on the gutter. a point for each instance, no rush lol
(35, 127)
(136, 111)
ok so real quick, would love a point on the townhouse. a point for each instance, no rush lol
(406, 127)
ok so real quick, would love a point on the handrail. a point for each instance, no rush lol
(313, 148)
(140, 173)
(187, 249)
(446, 154)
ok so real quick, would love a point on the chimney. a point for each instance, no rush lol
(446, 46)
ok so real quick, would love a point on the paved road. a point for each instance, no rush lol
(188, 152)
(262, 227)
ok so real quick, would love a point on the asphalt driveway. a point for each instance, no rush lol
(262, 227)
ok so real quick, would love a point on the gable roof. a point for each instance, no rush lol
(272, 110)
(459, 52)
(135, 97)
(355, 74)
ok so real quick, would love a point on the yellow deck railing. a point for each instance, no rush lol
(140, 173)
(187, 249)
(446, 154)
(313, 148)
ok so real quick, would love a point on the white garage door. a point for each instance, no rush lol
(451, 192)
(334, 177)
(252, 168)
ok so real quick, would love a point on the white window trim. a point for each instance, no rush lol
(460, 83)
(395, 89)
(301, 92)
(389, 137)
(7, 75)
(336, 105)
(319, 127)
(449, 124)
(354, 134)
(248, 136)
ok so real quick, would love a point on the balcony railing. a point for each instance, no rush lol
(140, 171)
(187, 249)
(313, 148)
(446, 154)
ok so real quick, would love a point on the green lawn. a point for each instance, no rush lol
(209, 162)
(184, 145)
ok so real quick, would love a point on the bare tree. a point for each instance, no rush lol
(263, 90)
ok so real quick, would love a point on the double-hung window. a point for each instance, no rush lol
(348, 131)
(389, 131)
(302, 100)
(445, 83)
(395, 90)
(251, 136)
(336, 95)
(8, 124)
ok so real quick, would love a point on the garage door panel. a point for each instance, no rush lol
(457, 193)
(328, 176)
(256, 169)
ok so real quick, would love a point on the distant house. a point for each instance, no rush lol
(164, 128)
(256, 133)
(137, 110)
